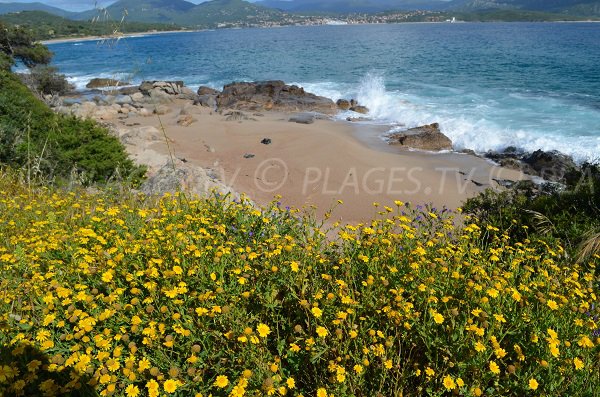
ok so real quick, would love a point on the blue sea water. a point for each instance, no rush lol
(489, 85)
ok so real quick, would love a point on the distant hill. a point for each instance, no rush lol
(7, 8)
(575, 7)
(44, 26)
(180, 12)
(352, 6)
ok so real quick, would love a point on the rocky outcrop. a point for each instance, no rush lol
(360, 109)
(104, 83)
(184, 177)
(552, 166)
(343, 104)
(272, 95)
(203, 90)
(427, 137)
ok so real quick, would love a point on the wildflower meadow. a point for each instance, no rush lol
(116, 294)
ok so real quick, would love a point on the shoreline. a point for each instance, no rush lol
(115, 37)
(305, 166)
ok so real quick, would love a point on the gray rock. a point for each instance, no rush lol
(207, 91)
(161, 110)
(552, 166)
(272, 95)
(343, 104)
(104, 83)
(427, 137)
(185, 120)
(360, 109)
(137, 97)
(303, 118)
(122, 99)
(208, 101)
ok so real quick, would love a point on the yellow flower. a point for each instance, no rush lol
(480, 347)
(222, 381)
(291, 383)
(322, 331)
(494, 368)
(533, 384)
(578, 363)
(132, 391)
(449, 383)
(321, 392)
(388, 364)
(460, 382)
(552, 304)
(358, 368)
(263, 330)
(429, 371)
(316, 312)
(170, 386)
(437, 317)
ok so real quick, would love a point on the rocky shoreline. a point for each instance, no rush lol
(109, 101)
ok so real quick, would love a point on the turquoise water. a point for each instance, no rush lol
(492, 85)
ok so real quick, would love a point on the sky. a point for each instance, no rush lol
(76, 5)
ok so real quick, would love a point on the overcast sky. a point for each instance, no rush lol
(76, 5)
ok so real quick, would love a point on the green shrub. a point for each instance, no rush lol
(54, 146)
(567, 214)
(47, 81)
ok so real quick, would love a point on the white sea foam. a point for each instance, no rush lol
(478, 122)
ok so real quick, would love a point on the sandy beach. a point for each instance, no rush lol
(111, 37)
(316, 164)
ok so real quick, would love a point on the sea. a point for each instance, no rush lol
(489, 85)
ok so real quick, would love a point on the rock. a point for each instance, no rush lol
(127, 91)
(139, 136)
(266, 141)
(357, 119)
(167, 87)
(343, 104)
(106, 113)
(303, 118)
(207, 91)
(137, 97)
(235, 116)
(248, 156)
(144, 112)
(272, 95)
(360, 109)
(104, 83)
(552, 166)
(428, 137)
(161, 110)
(85, 110)
(122, 99)
(186, 120)
(159, 96)
(184, 177)
(208, 101)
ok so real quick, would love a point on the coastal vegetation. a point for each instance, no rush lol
(46, 145)
(44, 26)
(127, 295)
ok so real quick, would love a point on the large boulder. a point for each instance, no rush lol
(427, 137)
(272, 95)
(343, 104)
(184, 177)
(104, 83)
(552, 166)
(203, 90)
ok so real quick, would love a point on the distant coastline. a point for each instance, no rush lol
(114, 37)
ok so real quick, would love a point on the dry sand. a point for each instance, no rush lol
(320, 163)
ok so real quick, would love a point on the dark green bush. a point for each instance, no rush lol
(54, 146)
(46, 80)
(568, 213)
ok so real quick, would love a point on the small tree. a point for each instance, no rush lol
(17, 44)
